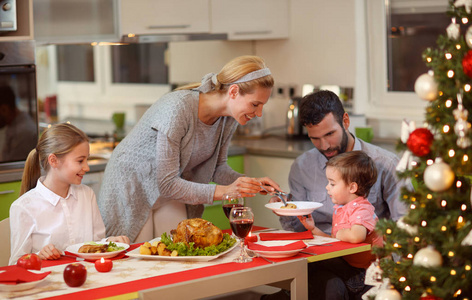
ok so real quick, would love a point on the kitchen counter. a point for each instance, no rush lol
(279, 146)
(274, 146)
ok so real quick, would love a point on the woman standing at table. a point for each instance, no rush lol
(160, 173)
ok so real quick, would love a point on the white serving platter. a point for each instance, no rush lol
(135, 253)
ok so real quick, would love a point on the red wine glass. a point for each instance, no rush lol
(231, 200)
(241, 220)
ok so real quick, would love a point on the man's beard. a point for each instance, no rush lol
(340, 149)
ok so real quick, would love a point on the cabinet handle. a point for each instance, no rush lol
(253, 32)
(168, 26)
(7, 192)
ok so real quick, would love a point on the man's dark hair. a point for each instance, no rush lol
(317, 105)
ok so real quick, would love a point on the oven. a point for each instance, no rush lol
(18, 103)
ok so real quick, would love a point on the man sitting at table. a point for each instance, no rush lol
(323, 115)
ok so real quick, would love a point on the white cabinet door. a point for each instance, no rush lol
(93, 180)
(250, 19)
(164, 16)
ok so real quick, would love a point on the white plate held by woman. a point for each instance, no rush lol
(303, 208)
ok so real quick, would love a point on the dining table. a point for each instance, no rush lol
(136, 278)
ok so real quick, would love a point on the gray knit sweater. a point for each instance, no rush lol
(139, 173)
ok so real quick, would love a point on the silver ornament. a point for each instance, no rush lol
(439, 176)
(453, 30)
(462, 126)
(426, 87)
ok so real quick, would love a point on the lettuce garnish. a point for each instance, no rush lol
(190, 250)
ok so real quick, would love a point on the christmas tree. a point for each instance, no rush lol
(428, 252)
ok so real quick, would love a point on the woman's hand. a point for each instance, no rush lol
(119, 239)
(269, 185)
(246, 186)
(49, 252)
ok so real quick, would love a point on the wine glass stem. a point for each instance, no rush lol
(243, 249)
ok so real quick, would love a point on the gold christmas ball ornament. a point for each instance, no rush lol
(439, 176)
(426, 87)
(468, 36)
(388, 294)
(428, 257)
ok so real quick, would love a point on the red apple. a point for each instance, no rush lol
(29, 261)
(75, 274)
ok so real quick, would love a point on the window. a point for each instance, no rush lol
(139, 63)
(397, 32)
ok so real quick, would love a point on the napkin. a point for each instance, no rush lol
(15, 275)
(266, 236)
(292, 246)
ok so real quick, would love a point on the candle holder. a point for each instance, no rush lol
(103, 265)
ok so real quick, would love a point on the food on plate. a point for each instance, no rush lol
(93, 247)
(289, 206)
(156, 248)
(30, 262)
(198, 231)
(88, 248)
(75, 274)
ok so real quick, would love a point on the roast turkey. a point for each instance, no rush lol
(202, 232)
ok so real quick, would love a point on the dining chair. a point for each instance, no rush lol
(5, 240)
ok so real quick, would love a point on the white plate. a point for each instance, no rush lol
(135, 253)
(91, 256)
(22, 286)
(276, 254)
(303, 208)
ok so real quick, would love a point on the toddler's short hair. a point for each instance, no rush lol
(358, 167)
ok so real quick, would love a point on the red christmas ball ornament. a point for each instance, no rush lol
(467, 64)
(419, 142)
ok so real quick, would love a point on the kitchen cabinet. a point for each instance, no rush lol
(75, 21)
(164, 17)
(93, 180)
(24, 19)
(250, 19)
(9, 192)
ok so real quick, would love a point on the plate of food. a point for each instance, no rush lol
(94, 250)
(22, 286)
(294, 208)
(273, 253)
(193, 240)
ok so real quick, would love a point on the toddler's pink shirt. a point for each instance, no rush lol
(358, 212)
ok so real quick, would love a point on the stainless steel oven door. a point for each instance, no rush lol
(18, 104)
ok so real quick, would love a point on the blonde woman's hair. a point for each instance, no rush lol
(59, 140)
(234, 70)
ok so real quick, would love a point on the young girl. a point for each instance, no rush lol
(350, 176)
(56, 210)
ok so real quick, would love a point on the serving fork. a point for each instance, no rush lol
(279, 195)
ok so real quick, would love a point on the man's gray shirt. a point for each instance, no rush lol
(307, 182)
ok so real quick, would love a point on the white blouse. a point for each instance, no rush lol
(41, 217)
